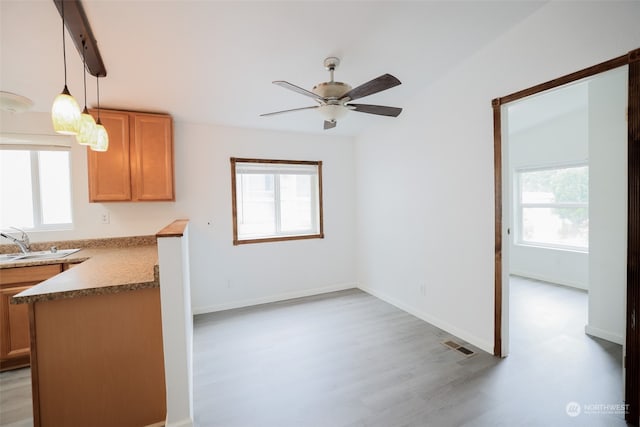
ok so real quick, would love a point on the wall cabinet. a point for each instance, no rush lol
(14, 330)
(138, 166)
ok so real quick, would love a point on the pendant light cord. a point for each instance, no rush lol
(84, 61)
(64, 47)
(98, 90)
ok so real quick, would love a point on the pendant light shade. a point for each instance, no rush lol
(101, 139)
(87, 129)
(65, 112)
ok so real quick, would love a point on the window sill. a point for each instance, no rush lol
(277, 239)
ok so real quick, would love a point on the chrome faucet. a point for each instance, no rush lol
(23, 242)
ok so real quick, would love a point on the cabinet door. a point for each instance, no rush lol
(152, 153)
(110, 171)
(15, 339)
(15, 325)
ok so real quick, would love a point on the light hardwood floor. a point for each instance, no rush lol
(15, 398)
(349, 359)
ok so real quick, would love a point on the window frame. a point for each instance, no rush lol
(36, 196)
(520, 206)
(277, 238)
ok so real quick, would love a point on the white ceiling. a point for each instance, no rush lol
(550, 104)
(213, 62)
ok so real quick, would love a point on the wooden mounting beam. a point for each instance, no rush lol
(78, 27)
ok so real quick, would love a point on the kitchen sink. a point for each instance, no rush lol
(8, 257)
(36, 255)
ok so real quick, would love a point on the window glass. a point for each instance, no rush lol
(55, 187)
(553, 207)
(16, 198)
(563, 185)
(35, 189)
(295, 202)
(556, 226)
(256, 205)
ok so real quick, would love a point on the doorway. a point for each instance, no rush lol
(503, 229)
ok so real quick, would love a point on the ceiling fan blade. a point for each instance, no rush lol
(329, 124)
(298, 89)
(380, 110)
(288, 111)
(384, 82)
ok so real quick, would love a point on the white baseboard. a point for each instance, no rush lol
(187, 422)
(542, 277)
(274, 298)
(459, 333)
(605, 335)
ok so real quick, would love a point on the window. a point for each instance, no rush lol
(553, 207)
(35, 189)
(276, 200)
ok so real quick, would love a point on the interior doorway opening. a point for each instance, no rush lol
(630, 254)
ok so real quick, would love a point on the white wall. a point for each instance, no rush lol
(608, 205)
(425, 182)
(561, 140)
(177, 328)
(223, 275)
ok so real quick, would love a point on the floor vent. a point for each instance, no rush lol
(464, 350)
(454, 345)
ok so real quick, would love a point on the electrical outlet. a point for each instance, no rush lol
(104, 217)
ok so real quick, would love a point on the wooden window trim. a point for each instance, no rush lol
(234, 208)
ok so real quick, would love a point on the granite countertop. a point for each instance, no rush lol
(102, 270)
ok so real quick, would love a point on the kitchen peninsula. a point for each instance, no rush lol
(96, 337)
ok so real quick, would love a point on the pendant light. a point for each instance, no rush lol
(101, 141)
(65, 112)
(87, 131)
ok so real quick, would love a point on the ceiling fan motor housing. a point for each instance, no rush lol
(331, 90)
(333, 109)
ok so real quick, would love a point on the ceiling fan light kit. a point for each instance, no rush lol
(333, 97)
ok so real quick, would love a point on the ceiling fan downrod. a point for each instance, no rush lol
(331, 63)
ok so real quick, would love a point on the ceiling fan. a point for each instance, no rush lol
(334, 98)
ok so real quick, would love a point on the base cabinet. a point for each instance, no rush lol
(14, 329)
(97, 360)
